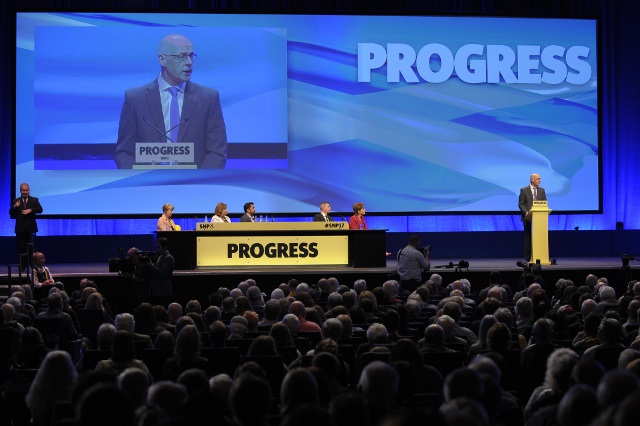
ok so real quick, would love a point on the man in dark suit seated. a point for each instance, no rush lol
(323, 216)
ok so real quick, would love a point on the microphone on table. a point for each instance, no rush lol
(146, 120)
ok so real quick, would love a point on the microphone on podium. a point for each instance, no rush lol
(146, 120)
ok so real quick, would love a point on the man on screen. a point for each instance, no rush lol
(528, 194)
(173, 109)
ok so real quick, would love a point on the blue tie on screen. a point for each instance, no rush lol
(174, 115)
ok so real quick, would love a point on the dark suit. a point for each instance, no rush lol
(525, 202)
(246, 218)
(320, 218)
(160, 291)
(26, 224)
(204, 126)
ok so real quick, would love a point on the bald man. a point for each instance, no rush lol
(173, 109)
(531, 192)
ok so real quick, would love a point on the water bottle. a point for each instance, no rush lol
(260, 219)
(205, 219)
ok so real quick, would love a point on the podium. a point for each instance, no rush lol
(540, 232)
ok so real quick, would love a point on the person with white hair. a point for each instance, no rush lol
(391, 289)
(435, 285)
(126, 322)
(608, 300)
(360, 285)
(557, 381)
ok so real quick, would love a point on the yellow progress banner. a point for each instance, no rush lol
(272, 250)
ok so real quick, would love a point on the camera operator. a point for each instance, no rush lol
(137, 275)
(413, 264)
(160, 272)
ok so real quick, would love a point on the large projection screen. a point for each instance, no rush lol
(407, 114)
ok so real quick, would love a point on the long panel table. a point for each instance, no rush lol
(256, 244)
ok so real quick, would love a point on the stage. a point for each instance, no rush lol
(199, 283)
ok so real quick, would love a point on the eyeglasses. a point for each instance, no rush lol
(183, 56)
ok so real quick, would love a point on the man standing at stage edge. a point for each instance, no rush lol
(23, 210)
(529, 194)
(161, 291)
(413, 264)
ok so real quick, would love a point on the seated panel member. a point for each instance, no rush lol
(165, 222)
(249, 213)
(357, 221)
(220, 215)
(323, 216)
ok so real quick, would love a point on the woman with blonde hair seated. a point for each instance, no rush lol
(165, 222)
(220, 214)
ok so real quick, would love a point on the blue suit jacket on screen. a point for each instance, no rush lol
(204, 126)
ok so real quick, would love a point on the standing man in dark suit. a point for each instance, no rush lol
(186, 111)
(160, 272)
(528, 194)
(323, 216)
(24, 210)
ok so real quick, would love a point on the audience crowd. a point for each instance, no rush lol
(328, 353)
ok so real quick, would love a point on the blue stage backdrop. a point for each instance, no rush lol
(407, 114)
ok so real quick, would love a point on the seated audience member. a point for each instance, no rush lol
(164, 340)
(181, 323)
(485, 324)
(238, 327)
(146, 320)
(298, 387)
(41, 275)
(557, 382)
(53, 382)
(377, 336)
(122, 355)
(379, 385)
(105, 336)
(134, 384)
(174, 311)
(588, 337)
(54, 310)
(297, 308)
(433, 340)
(32, 349)
(271, 313)
(250, 399)
(169, 396)
(608, 300)
(94, 303)
(127, 322)
(186, 354)
(211, 315)
(498, 338)
(103, 405)
(610, 334)
(7, 314)
(218, 334)
(252, 321)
